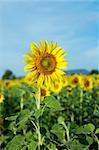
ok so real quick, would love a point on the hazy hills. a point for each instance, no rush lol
(78, 71)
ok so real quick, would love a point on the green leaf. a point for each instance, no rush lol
(16, 143)
(53, 103)
(38, 113)
(24, 115)
(97, 131)
(60, 120)
(89, 140)
(52, 146)
(23, 118)
(24, 148)
(85, 129)
(29, 136)
(75, 145)
(32, 145)
(96, 111)
(59, 131)
(12, 127)
(11, 118)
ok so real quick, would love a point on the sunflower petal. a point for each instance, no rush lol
(40, 80)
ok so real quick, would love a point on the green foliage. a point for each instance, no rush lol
(94, 72)
(32, 145)
(52, 103)
(85, 129)
(16, 143)
(76, 145)
(59, 131)
(8, 75)
(65, 123)
(23, 118)
(97, 131)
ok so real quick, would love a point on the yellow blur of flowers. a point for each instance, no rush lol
(45, 62)
(1, 98)
(65, 81)
(96, 80)
(69, 90)
(56, 86)
(87, 83)
(28, 79)
(44, 92)
(75, 80)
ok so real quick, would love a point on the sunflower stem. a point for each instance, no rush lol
(67, 131)
(38, 121)
(21, 103)
(81, 101)
(39, 98)
(72, 115)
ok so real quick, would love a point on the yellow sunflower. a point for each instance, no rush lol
(65, 80)
(56, 86)
(69, 90)
(28, 79)
(96, 80)
(44, 92)
(45, 62)
(1, 98)
(87, 83)
(75, 80)
(11, 83)
(7, 83)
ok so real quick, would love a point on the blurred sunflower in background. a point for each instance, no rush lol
(28, 79)
(45, 63)
(9, 83)
(1, 98)
(69, 90)
(87, 83)
(56, 86)
(75, 80)
(44, 92)
(96, 80)
(65, 80)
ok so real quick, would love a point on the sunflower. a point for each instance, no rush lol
(45, 63)
(96, 80)
(8, 83)
(1, 98)
(44, 92)
(28, 79)
(56, 86)
(75, 80)
(87, 83)
(69, 90)
(65, 80)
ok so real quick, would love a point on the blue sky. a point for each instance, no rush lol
(73, 24)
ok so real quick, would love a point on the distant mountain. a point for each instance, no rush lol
(78, 71)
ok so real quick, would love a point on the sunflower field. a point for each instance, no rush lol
(48, 109)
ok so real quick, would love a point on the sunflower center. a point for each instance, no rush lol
(69, 90)
(75, 80)
(87, 83)
(29, 79)
(7, 83)
(56, 86)
(43, 92)
(48, 64)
